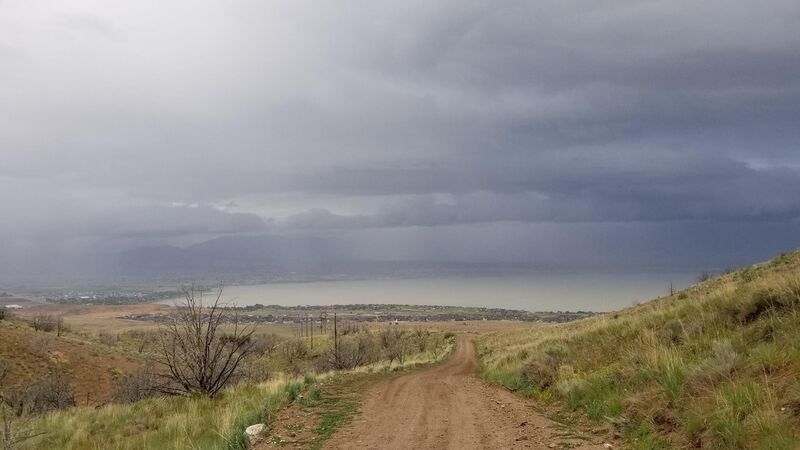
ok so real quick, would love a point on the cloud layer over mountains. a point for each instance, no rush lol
(616, 133)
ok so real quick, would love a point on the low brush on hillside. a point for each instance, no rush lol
(714, 366)
(200, 422)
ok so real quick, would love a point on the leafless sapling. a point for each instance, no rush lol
(196, 352)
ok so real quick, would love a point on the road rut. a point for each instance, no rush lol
(449, 407)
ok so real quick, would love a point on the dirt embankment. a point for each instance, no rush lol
(448, 406)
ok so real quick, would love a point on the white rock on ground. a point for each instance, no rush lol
(253, 431)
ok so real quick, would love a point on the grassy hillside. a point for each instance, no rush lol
(195, 422)
(714, 366)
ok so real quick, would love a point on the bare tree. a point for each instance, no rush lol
(265, 344)
(421, 338)
(108, 338)
(43, 322)
(351, 352)
(14, 430)
(395, 344)
(350, 327)
(143, 339)
(137, 385)
(197, 355)
(42, 344)
(54, 392)
(61, 326)
(295, 352)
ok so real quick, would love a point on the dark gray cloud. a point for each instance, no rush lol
(125, 125)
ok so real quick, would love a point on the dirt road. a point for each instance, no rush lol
(448, 406)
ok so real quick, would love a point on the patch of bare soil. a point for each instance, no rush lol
(448, 406)
(33, 355)
(317, 413)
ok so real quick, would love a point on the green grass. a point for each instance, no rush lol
(337, 404)
(312, 398)
(169, 422)
(713, 366)
(338, 412)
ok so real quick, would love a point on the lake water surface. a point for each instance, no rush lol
(532, 292)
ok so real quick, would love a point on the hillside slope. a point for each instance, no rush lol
(90, 367)
(199, 422)
(714, 366)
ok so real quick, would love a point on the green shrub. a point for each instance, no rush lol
(736, 401)
(293, 391)
(717, 366)
(538, 373)
(769, 357)
(313, 397)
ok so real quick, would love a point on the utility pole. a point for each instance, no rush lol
(335, 342)
(671, 289)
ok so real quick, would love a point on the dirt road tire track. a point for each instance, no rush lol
(448, 407)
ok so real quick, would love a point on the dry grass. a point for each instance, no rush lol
(166, 422)
(195, 422)
(95, 318)
(716, 365)
(33, 355)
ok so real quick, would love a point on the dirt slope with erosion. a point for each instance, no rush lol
(32, 355)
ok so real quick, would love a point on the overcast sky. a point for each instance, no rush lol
(626, 132)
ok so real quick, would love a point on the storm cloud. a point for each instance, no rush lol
(402, 130)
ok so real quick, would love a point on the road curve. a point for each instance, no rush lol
(448, 407)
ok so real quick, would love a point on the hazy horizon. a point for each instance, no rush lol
(530, 292)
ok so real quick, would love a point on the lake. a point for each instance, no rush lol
(532, 292)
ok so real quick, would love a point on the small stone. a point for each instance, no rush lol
(521, 438)
(253, 431)
(608, 446)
